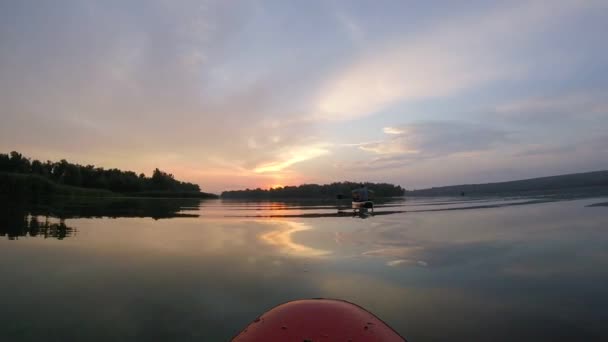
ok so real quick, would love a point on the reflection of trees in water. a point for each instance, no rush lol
(21, 218)
(116, 207)
(50, 230)
(16, 221)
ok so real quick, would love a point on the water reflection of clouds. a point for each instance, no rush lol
(480, 239)
(282, 238)
(407, 262)
(253, 240)
(406, 255)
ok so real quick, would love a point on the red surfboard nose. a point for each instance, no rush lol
(315, 320)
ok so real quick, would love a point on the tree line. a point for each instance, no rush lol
(333, 190)
(92, 177)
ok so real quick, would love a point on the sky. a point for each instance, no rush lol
(246, 94)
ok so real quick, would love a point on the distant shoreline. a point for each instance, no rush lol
(336, 190)
(575, 182)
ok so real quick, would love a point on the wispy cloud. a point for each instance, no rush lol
(435, 138)
(352, 29)
(291, 157)
(542, 109)
(460, 54)
(417, 143)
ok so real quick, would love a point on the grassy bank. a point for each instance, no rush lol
(33, 186)
(176, 194)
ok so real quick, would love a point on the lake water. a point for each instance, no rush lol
(457, 269)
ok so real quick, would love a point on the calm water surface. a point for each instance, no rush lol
(182, 270)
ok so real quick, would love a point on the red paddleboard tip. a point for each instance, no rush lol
(312, 320)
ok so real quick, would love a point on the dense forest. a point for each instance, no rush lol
(316, 191)
(597, 179)
(18, 171)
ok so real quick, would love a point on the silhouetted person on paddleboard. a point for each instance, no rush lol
(361, 194)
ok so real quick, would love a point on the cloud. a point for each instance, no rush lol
(413, 145)
(398, 74)
(436, 138)
(593, 145)
(546, 150)
(291, 157)
(393, 130)
(590, 104)
(351, 28)
(454, 56)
